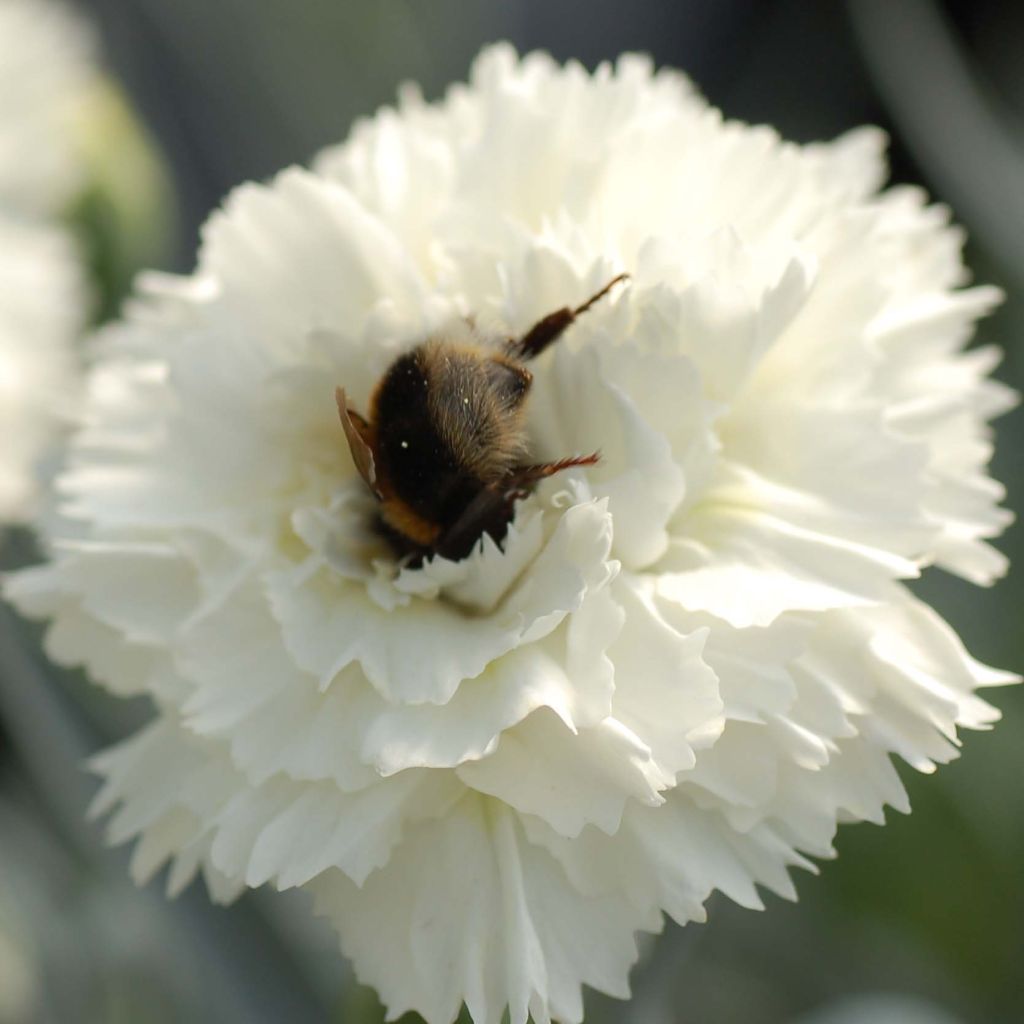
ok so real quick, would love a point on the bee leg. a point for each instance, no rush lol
(525, 476)
(549, 328)
(489, 512)
(492, 509)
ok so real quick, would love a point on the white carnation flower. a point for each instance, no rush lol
(679, 669)
(47, 66)
(42, 299)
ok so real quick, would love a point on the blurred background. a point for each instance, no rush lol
(921, 922)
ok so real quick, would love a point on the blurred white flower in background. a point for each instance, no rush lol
(680, 669)
(47, 72)
(46, 69)
(880, 1008)
(42, 303)
(79, 184)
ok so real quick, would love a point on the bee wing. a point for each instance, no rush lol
(362, 454)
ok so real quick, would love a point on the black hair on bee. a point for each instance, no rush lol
(444, 446)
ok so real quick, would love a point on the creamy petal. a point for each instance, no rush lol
(470, 911)
(569, 779)
(329, 624)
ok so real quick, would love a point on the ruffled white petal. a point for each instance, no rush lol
(470, 911)
(328, 623)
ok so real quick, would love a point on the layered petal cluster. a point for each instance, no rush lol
(680, 668)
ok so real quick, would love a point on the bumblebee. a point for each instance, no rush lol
(443, 447)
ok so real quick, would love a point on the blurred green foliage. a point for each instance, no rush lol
(125, 215)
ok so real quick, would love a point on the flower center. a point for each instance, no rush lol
(443, 447)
